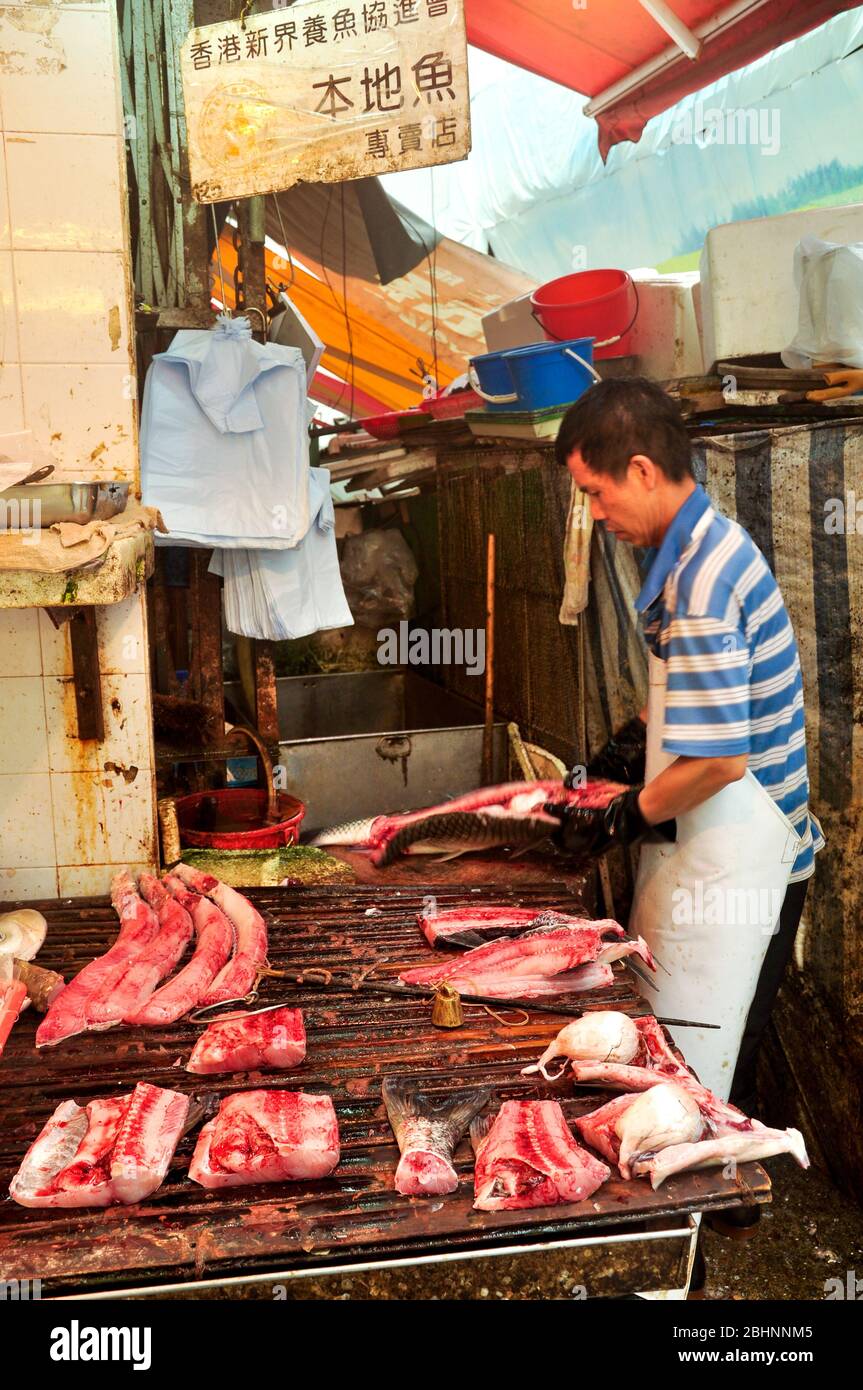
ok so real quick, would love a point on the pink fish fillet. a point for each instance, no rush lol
(12, 996)
(757, 1143)
(146, 1139)
(267, 1136)
(270, 1038)
(214, 940)
(239, 975)
(530, 1159)
(114, 1150)
(138, 925)
(114, 1002)
(545, 961)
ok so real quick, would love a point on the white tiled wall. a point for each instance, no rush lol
(71, 812)
(65, 293)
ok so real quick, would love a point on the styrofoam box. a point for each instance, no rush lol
(749, 300)
(665, 335)
(512, 326)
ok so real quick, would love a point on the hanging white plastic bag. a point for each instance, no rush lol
(829, 279)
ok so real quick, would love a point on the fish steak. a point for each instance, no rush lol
(529, 1158)
(267, 1136)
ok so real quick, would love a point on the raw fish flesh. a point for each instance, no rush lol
(428, 1128)
(657, 1118)
(474, 926)
(116, 1001)
(213, 945)
(757, 1143)
(529, 1158)
(138, 925)
(114, 1149)
(13, 993)
(267, 1136)
(246, 1042)
(548, 960)
(240, 974)
(146, 1139)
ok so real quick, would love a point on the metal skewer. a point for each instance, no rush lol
(324, 979)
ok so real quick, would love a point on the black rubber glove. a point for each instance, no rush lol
(588, 832)
(621, 760)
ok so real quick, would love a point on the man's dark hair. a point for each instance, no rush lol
(618, 418)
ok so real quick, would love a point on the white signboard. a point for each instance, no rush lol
(325, 92)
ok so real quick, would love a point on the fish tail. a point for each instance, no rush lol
(405, 1100)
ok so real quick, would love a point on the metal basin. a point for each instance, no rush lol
(358, 744)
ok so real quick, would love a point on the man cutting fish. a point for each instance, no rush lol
(716, 764)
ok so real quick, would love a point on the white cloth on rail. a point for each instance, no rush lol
(224, 440)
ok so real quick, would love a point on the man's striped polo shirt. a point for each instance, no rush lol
(713, 612)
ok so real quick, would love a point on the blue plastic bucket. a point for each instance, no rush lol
(535, 377)
(549, 374)
(489, 375)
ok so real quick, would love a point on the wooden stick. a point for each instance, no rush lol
(488, 730)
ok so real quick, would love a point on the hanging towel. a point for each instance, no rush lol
(576, 557)
(279, 594)
(224, 439)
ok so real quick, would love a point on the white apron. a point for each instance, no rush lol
(708, 904)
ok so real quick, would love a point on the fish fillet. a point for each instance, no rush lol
(214, 942)
(428, 1129)
(138, 925)
(267, 1136)
(269, 1038)
(240, 974)
(474, 926)
(548, 960)
(115, 1149)
(114, 1002)
(12, 996)
(529, 1158)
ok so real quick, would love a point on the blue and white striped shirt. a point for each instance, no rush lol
(713, 612)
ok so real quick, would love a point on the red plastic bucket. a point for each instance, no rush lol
(238, 808)
(599, 304)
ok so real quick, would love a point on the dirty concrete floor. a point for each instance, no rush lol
(810, 1233)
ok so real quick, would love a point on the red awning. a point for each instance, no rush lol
(618, 54)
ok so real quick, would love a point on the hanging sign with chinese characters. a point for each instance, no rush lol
(325, 92)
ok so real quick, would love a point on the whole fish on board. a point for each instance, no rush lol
(115, 1149)
(138, 925)
(519, 800)
(460, 832)
(554, 959)
(428, 1128)
(529, 1158)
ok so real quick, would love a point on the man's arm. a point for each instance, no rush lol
(686, 783)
